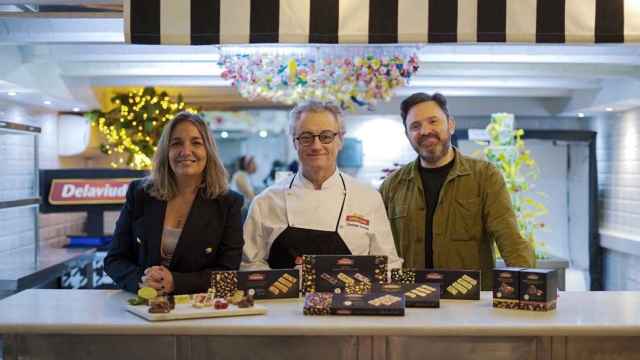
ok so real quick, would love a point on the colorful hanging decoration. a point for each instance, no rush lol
(351, 81)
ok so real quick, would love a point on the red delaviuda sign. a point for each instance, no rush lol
(88, 191)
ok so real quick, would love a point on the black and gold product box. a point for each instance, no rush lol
(454, 284)
(335, 273)
(262, 284)
(538, 289)
(506, 288)
(389, 303)
(424, 295)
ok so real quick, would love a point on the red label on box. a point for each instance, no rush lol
(257, 277)
(88, 191)
(344, 261)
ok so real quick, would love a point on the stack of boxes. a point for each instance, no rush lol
(525, 289)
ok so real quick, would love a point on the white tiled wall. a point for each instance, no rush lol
(17, 226)
(618, 154)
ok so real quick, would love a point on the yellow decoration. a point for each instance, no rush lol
(133, 125)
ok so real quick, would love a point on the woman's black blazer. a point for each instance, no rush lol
(211, 239)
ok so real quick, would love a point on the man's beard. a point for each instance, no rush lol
(435, 153)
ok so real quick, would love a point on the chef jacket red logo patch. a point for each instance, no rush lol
(357, 221)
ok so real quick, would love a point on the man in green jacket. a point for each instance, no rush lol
(447, 209)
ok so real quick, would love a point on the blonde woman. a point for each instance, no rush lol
(240, 181)
(182, 221)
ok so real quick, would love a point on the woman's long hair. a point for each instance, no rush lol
(162, 182)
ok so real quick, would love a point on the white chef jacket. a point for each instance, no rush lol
(363, 226)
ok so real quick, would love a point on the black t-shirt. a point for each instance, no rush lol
(432, 181)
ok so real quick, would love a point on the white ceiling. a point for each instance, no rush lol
(73, 59)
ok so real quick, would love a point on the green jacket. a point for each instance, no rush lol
(474, 210)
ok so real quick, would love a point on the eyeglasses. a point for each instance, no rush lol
(325, 137)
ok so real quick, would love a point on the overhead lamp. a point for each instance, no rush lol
(12, 93)
(263, 133)
(224, 134)
(580, 115)
(47, 102)
(609, 109)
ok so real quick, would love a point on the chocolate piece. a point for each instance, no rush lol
(403, 276)
(290, 278)
(427, 287)
(385, 300)
(471, 280)
(361, 277)
(460, 288)
(358, 287)
(225, 283)
(285, 282)
(159, 305)
(274, 290)
(465, 283)
(452, 290)
(329, 278)
(419, 292)
(346, 279)
(246, 302)
(280, 287)
(202, 300)
(318, 304)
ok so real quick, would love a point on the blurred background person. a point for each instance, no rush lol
(276, 166)
(241, 180)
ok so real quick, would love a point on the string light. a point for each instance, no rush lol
(134, 125)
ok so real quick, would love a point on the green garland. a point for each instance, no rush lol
(506, 150)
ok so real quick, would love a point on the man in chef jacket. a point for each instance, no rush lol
(319, 210)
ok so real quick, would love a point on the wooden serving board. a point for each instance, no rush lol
(187, 311)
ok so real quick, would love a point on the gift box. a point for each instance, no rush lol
(454, 284)
(333, 273)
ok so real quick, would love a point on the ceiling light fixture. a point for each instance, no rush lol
(609, 109)
(12, 93)
(224, 134)
(76, 109)
(263, 133)
(580, 115)
(47, 102)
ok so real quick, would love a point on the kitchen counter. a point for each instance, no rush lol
(584, 324)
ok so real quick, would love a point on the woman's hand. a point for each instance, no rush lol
(159, 278)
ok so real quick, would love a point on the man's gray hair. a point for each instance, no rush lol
(314, 107)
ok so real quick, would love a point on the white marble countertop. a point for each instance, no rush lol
(103, 312)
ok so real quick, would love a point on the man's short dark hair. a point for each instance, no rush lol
(418, 98)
